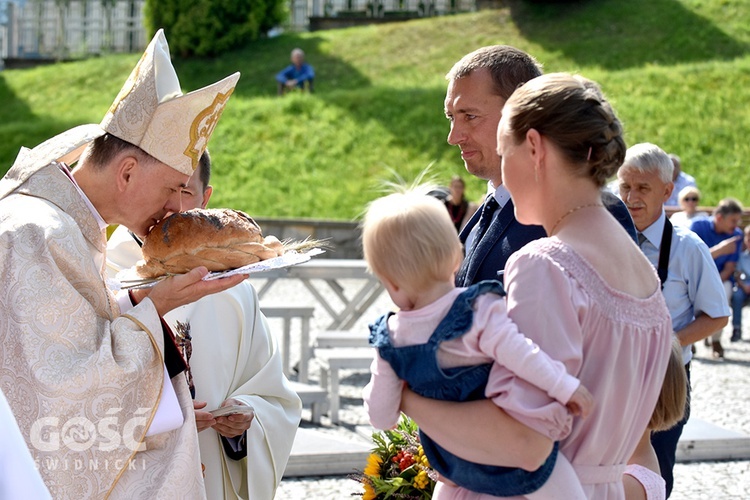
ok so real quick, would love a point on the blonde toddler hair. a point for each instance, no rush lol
(408, 238)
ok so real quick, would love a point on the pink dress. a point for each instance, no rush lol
(616, 344)
(653, 484)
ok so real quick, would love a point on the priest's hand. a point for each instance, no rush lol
(233, 425)
(182, 289)
(203, 419)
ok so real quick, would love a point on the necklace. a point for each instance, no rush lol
(572, 210)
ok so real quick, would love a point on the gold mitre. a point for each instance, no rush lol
(151, 111)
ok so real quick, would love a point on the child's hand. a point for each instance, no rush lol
(581, 402)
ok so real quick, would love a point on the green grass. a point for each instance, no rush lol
(677, 71)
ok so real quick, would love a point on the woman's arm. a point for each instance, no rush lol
(478, 431)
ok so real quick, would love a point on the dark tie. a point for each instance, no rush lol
(485, 218)
(641, 239)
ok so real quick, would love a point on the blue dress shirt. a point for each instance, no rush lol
(302, 74)
(693, 283)
(706, 230)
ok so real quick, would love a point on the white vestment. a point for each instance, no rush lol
(82, 380)
(234, 355)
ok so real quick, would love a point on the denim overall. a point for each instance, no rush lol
(418, 366)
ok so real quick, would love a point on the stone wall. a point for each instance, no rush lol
(344, 236)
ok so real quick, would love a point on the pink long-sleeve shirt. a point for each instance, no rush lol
(493, 337)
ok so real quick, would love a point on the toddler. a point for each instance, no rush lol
(457, 344)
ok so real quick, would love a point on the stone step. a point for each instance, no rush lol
(703, 441)
(318, 453)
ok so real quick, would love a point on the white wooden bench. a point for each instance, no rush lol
(335, 359)
(312, 396)
(321, 276)
(341, 338)
(304, 314)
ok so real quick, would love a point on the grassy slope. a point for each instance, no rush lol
(678, 73)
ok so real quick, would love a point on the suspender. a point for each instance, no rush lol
(666, 245)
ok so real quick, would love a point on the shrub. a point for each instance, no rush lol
(210, 27)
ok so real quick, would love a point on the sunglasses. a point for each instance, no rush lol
(690, 199)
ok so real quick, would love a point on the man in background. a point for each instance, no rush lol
(690, 284)
(235, 361)
(299, 74)
(717, 229)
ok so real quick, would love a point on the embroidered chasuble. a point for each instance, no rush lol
(83, 380)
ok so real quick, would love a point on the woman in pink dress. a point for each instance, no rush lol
(586, 294)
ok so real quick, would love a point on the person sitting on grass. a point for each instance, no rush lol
(299, 74)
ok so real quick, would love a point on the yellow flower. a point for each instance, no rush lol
(421, 458)
(421, 480)
(374, 462)
(369, 492)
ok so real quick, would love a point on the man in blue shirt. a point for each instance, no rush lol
(299, 74)
(720, 227)
(690, 283)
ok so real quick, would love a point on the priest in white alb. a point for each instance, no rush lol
(235, 360)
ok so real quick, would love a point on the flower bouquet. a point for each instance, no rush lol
(397, 466)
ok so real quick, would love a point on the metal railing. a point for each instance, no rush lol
(49, 29)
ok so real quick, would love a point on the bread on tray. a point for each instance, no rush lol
(217, 238)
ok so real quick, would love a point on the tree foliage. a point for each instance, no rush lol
(210, 27)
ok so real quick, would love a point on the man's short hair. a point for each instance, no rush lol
(508, 66)
(106, 147)
(648, 158)
(298, 51)
(728, 206)
(204, 169)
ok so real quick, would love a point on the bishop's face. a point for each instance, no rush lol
(153, 190)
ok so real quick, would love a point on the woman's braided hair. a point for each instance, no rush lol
(572, 112)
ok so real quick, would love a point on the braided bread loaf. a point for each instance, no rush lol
(218, 238)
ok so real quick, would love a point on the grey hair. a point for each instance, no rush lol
(298, 51)
(648, 158)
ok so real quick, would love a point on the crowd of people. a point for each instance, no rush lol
(542, 341)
